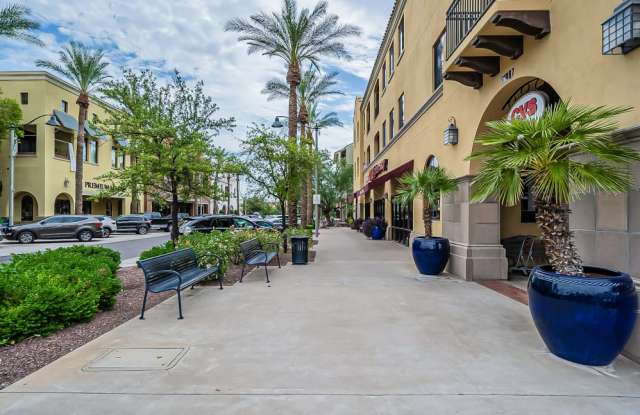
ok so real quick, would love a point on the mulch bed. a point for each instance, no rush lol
(21, 359)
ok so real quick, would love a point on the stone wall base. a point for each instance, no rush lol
(478, 262)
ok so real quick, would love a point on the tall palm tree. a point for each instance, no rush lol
(295, 36)
(87, 69)
(564, 154)
(313, 86)
(429, 183)
(16, 24)
(317, 120)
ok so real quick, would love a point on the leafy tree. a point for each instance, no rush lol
(295, 36)
(169, 128)
(16, 24)
(335, 180)
(429, 183)
(87, 70)
(561, 156)
(10, 116)
(260, 204)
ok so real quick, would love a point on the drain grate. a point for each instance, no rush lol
(137, 359)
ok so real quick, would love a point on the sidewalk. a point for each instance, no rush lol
(353, 333)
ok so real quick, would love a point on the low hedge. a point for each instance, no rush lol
(43, 292)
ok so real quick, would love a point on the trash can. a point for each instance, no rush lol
(299, 250)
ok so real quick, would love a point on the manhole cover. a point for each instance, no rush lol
(137, 359)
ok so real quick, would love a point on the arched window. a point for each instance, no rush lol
(432, 162)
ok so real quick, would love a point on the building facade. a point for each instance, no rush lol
(344, 207)
(45, 159)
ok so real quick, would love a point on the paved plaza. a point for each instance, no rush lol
(353, 333)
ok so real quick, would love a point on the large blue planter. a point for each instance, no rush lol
(377, 233)
(430, 254)
(586, 320)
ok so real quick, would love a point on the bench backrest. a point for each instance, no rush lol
(178, 261)
(250, 248)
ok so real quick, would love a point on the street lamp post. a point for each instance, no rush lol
(316, 206)
(13, 150)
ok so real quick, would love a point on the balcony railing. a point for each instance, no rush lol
(462, 16)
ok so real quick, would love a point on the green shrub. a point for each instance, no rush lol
(157, 250)
(43, 292)
(299, 231)
(220, 244)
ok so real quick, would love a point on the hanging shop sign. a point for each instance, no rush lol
(97, 186)
(529, 106)
(378, 169)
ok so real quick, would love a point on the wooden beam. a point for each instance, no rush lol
(509, 46)
(489, 65)
(528, 22)
(472, 79)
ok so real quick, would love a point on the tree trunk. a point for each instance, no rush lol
(426, 217)
(284, 235)
(311, 191)
(553, 221)
(304, 190)
(293, 79)
(134, 206)
(174, 211)
(83, 103)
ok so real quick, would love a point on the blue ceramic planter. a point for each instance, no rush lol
(377, 233)
(430, 254)
(586, 320)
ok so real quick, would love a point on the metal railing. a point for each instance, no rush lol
(462, 16)
(400, 235)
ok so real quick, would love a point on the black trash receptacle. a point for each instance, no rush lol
(299, 250)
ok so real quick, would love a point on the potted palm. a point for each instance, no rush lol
(584, 314)
(430, 254)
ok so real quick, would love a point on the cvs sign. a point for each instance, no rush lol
(529, 106)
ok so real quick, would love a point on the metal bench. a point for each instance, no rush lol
(175, 271)
(254, 253)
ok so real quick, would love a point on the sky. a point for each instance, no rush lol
(188, 35)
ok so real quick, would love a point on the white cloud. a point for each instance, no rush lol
(188, 35)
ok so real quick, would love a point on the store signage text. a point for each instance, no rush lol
(378, 169)
(529, 106)
(95, 185)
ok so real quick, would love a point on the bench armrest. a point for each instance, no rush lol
(165, 272)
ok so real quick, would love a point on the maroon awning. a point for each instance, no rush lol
(397, 172)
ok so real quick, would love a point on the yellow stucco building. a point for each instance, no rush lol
(45, 159)
(445, 68)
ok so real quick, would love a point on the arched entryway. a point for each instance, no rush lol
(26, 207)
(63, 204)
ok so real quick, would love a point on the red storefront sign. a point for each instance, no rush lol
(378, 169)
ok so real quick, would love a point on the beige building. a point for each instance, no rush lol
(45, 159)
(446, 67)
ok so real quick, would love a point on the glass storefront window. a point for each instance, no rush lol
(61, 149)
(28, 142)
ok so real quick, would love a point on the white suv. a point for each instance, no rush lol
(108, 225)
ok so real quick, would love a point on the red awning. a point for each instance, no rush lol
(397, 172)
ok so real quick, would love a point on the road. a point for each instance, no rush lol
(129, 245)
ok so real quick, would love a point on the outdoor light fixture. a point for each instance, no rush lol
(66, 182)
(451, 133)
(53, 121)
(277, 123)
(621, 32)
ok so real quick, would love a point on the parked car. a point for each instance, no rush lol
(82, 227)
(264, 224)
(215, 222)
(109, 225)
(163, 223)
(133, 223)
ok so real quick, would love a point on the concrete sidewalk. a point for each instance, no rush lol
(353, 333)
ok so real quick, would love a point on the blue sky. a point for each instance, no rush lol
(164, 35)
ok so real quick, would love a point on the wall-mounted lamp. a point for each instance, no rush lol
(66, 182)
(386, 196)
(451, 133)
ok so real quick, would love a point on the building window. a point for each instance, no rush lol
(28, 141)
(90, 150)
(438, 60)
(384, 134)
(117, 158)
(376, 144)
(63, 146)
(432, 163)
(527, 206)
(391, 125)
(64, 106)
(401, 36)
(24, 98)
(384, 75)
(368, 117)
(86, 207)
(392, 61)
(376, 100)
(368, 155)
(401, 112)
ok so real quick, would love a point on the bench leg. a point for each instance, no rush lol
(179, 306)
(278, 256)
(242, 273)
(266, 271)
(220, 278)
(144, 304)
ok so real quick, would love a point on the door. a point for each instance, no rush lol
(26, 211)
(69, 226)
(222, 224)
(203, 225)
(49, 228)
(241, 223)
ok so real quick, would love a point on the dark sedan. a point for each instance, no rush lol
(83, 228)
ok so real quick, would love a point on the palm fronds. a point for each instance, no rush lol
(16, 24)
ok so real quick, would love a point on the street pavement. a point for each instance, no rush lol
(355, 332)
(128, 244)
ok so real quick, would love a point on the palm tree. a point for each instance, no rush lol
(313, 86)
(15, 24)
(568, 152)
(295, 37)
(430, 183)
(87, 69)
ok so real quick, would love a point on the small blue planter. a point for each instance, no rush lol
(587, 320)
(377, 233)
(430, 254)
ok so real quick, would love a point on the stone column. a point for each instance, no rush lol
(473, 230)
